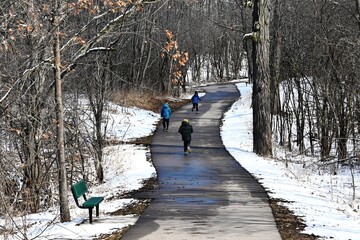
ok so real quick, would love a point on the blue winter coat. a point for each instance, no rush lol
(195, 98)
(165, 111)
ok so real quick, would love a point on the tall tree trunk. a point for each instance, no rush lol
(300, 116)
(325, 130)
(357, 4)
(226, 57)
(63, 190)
(276, 58)
(343, 125)
(261, 76)
(97, 88)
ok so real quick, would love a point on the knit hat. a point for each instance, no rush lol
(185, 120)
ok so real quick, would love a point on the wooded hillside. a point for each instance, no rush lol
(104, 50)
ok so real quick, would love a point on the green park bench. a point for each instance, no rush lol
(80, 189)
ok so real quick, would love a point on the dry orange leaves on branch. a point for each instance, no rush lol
(100, 6)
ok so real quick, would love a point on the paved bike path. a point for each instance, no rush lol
(207, 194)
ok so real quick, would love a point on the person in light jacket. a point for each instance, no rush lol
(186, 130)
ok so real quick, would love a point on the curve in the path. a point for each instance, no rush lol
(207, 194)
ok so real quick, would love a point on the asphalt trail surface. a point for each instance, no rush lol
(207, 194)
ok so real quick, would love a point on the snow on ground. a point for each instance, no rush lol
(323, 200)
(126, 166)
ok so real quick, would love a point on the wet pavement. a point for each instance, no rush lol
(207, 194)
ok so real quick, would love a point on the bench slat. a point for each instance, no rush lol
(79, 188)
(92, 202)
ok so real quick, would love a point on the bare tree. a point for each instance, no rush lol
(262, 135)
(31, 79)
(63, 189)
(319, 63)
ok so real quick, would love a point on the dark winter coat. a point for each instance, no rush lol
(185, 130)
(195, 98)
(165, 111)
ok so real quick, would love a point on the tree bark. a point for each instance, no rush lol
(357, 4)
(261, 76)
(63, 190)
(276, 58)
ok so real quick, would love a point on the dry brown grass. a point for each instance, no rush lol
(145, 100)
(140, 99)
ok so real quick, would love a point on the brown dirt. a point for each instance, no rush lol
(289, 225)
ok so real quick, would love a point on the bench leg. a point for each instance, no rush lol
(90, 214)
(97, 210)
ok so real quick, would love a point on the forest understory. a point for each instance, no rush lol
(303, 58)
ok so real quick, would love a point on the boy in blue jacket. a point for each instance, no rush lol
(165, 114)
(195, 101)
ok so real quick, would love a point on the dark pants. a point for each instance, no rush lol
(195, 106)
(166, 123)
(186, 145)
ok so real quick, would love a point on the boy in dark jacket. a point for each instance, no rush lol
(195, 101)
(186, 130)
(165, 114)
